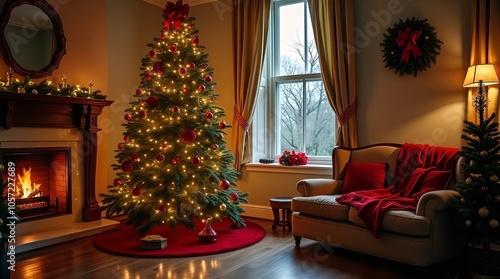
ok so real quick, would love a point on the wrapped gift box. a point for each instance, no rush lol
(153, 242)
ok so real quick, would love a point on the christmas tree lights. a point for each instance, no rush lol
(173, 164)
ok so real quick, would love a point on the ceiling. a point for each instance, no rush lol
(162, 3)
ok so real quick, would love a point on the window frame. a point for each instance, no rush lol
(267, 102)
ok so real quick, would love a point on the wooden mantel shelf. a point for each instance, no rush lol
(32, 110)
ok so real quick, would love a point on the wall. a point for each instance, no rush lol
(428, 108)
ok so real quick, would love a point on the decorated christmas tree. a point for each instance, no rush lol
(479, 199)
(173, 165)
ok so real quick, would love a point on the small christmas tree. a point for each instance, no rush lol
(479, 200)
(173, 163)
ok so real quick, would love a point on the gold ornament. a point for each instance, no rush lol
(223, 207)
(494, 223)
(494, 178)
(1, 221)
(468, 223)
(2, 167)
(462, 200)
(483, 153)
(483, 212)
(468, 180)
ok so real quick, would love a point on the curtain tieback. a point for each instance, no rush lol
(244, 124)
(348, 113)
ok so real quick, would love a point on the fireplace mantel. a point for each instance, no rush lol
(32, 110)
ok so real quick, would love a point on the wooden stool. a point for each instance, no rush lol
(285, 204)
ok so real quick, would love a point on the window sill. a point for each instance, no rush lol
(277, 168)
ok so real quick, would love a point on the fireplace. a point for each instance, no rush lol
(41, 134)
(42, 181)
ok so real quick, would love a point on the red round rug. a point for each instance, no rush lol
(181, 242)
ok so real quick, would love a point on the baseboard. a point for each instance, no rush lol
(257, 211)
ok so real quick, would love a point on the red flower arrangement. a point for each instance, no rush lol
(291, 158)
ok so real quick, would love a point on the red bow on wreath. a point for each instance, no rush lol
(174, 13)
(408, 40)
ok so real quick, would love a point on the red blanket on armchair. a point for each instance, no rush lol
(404, 190)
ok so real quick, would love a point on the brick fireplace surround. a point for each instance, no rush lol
(29, 120)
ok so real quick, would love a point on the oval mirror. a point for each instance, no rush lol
(32, 38)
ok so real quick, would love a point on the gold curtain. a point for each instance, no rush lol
(251, 30)
(333, 27)
(485, 49)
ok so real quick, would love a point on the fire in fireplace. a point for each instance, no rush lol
(43, 180)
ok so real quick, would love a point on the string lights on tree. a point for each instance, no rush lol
(172, 164)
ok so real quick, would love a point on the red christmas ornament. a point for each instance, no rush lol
(147, 76)
(208, 78)
(188, 135)
(484, 189)
(143, 114)
(191, 65)
(152, 53)
(222, 124)
(211, 99)
(152, 102)
(172, 48)
(176, 160)
(160, 157)
(182, 71)
(202, 87)
(215, 146)
(162, 207)
(185, 89)
(158, 67)
(127, 116)
(195, 41)
(164, 146)
(176, 108)
(138, 91)
(195, 160)
(134, 157)
(136, 191)
(117, 182)
(224, 184)
(233, 196)
(209, 115)
(163, 35)
(203, 66)
(127, 166)
(126, 138)
(121, 146)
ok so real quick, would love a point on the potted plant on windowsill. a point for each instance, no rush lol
(478, 202)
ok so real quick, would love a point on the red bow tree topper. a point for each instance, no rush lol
(174, 13)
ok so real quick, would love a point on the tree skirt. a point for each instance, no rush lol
(181, 242)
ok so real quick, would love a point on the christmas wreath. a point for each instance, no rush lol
(410, 46)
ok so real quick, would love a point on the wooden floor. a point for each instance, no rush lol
(276, 256)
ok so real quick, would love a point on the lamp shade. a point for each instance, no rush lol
(484, 72)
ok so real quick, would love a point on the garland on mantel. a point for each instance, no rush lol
(46, 88)
(410, 46)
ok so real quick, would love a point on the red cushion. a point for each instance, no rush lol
(363, 176)
(435, 180)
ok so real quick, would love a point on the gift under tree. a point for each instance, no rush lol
(173, 165)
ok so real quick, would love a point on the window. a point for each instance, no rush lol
(292, 111)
